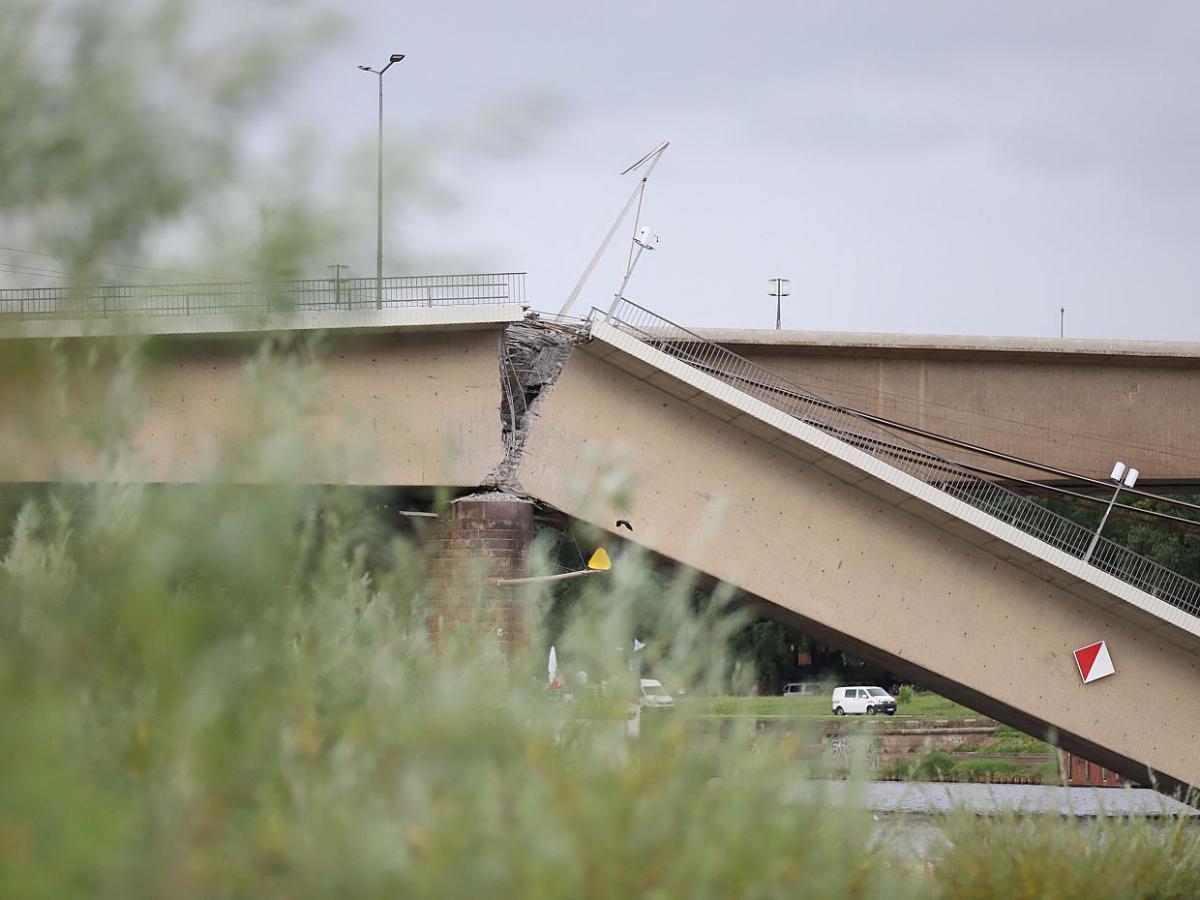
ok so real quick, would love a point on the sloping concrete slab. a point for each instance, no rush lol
(998, 631)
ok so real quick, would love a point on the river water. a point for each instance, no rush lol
(907, 814)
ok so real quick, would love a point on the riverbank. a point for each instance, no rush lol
(892, 798)
(921, 705)
(912, 820)
(961, 747)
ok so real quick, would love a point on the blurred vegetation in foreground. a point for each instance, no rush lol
(215, 691)
(205, 692)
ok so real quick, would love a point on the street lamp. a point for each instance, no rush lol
(1122, 476)
(392, 60)
(779, 288)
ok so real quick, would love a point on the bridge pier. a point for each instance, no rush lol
(482, 538)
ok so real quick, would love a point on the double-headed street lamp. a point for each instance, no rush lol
(395, 58)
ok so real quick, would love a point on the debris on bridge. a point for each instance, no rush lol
(532, 356)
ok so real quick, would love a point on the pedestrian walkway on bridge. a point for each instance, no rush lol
(1076, 546)
(247, 297)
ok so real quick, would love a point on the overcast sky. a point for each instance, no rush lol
(938, 167)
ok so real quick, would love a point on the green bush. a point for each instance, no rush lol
(1048, 773)
(1008, 740)
(981, 769)
(904, 698)
(1043, 856)
(204, 692)
(933, 765)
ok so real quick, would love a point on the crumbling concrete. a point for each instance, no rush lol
(532, 356)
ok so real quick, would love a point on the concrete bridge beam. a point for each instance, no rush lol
(856, 569)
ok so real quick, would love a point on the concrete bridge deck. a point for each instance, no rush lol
(879, 557)
(841, 545)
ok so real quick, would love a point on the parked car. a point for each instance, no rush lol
(801, 689)
(858, 700)
(653, 694)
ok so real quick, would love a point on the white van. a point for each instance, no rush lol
(801, 689)
(857, 700)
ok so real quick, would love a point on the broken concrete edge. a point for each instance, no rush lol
(532, 355)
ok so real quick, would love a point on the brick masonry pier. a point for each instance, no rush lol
(483, 537)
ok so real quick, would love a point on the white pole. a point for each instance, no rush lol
(538, 579)
(620, 295)
(1103, 519)
(379, 207)
(587, 273)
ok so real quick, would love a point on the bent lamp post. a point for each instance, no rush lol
(1122, 476)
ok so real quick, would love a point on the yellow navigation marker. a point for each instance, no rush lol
(600, 560)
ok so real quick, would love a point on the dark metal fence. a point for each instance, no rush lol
(1003, 504)
(261, 297)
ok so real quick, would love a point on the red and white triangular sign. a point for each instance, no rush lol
(1094, 662)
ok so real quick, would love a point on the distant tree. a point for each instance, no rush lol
(767, 646)
(1174, 545)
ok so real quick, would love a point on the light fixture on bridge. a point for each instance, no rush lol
(646, 239)
(1122, 475)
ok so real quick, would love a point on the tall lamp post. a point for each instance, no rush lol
(779, 289)
(1122, 476)
(392, 60)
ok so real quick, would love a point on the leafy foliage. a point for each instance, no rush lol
(1173, 545)
(767, 647)
(1047, 857)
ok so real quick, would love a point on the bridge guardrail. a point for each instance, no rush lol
(987, 496)
(260, 297)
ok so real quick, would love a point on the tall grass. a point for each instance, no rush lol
(205, 693)
(1036, 857)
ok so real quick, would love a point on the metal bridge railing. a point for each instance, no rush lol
(260, 297)
(1000, 502)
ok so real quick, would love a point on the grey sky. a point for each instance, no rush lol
(925, 167)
